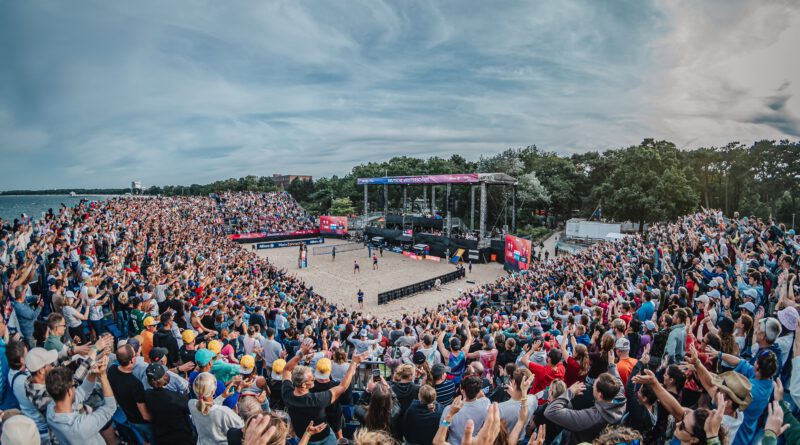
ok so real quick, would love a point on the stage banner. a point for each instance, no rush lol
(333, 225)
(258, 235)
(293, 243)
(518, 253)
(465, 178)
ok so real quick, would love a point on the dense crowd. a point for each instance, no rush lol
(134, 320)
(272, 212)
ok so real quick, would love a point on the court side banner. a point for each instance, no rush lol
(333, 225)
(257, 235)
(277, 244)
(518, 253)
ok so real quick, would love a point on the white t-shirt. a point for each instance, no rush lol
(70, 315)
(213, 428)
(95, 310)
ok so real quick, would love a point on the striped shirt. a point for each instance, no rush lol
(445, 392)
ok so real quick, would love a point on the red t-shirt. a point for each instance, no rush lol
(572, 372)
(544, 375)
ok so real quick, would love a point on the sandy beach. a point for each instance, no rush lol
(336, 281)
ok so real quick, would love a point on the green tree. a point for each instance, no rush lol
(342, 207)
(647, 184)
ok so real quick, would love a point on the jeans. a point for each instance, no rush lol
(144, 430)
(97, 326)
(122, 323)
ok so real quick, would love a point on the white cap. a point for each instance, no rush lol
(19, 430)
(38, 358)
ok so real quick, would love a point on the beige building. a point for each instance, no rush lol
(283, 181)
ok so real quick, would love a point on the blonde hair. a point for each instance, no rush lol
(427, 396)
(204, 386)
(281, 428)
(248, 407)
(557, 387)
(374, 437)
(405, 371)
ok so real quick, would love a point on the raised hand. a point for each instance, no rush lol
(775, 419)
(537, 438)
(258, 431)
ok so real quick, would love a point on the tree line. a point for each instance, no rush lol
(649, 182)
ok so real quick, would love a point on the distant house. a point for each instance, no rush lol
(283, 181)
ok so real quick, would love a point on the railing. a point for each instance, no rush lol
(405, 291)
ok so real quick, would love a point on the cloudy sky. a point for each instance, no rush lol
(98, 93)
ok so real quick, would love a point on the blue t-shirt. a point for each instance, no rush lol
(646, 311)
(762, 391)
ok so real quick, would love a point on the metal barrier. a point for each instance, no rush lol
(327, 250)
(422, 286)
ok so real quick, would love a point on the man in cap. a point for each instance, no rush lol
(271, 349)
(625, 362)
(189, 348)
(275, 381)
(150, 326)
(176, 382)
(323, 382)
(170, 412)
(129, 391)
(445, 388)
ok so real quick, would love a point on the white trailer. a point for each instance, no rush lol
(593, 230)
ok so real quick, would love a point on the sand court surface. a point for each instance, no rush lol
(336, 281)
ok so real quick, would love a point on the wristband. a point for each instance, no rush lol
(444, 423)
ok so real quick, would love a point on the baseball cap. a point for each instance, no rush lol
(419, 358)
(20, 430)
(188, 336)
(323, 370)
(623, 344)
(203, 357)
(751, 293)
(155, 371)
(38, 358)
(247, 364)
(650, 325)
(158, 353)
(702, 299)
(789, 317)
(215, 346)
(362, 333)
(749, 306)
(736, 386)
(277, 368)
(714, 294)
(149, 321)
(771, 327)
(438, 370)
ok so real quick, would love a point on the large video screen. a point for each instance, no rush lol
(518, 253)
(333, 225)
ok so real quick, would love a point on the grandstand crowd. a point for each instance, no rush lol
(269, 212)
(138, 321)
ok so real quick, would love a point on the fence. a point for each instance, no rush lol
(422, 286)
(327, 250)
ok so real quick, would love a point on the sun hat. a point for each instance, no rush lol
(736, 386)
(323, 369)
(203, 357)
(38, 358)
(277, 368)
(789, 317)
(215, 346)
(623, 344)
(247, 364)
(20, 430)
(188, 335)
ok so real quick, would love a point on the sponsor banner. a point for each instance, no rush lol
(258, 235)
(292, 243)
(412, 255)
(333, 225)
(432, 258)
(463, 178)
(517, 253)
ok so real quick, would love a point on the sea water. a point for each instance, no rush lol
(14, 206)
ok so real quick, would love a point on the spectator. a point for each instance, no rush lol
(210, 418)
